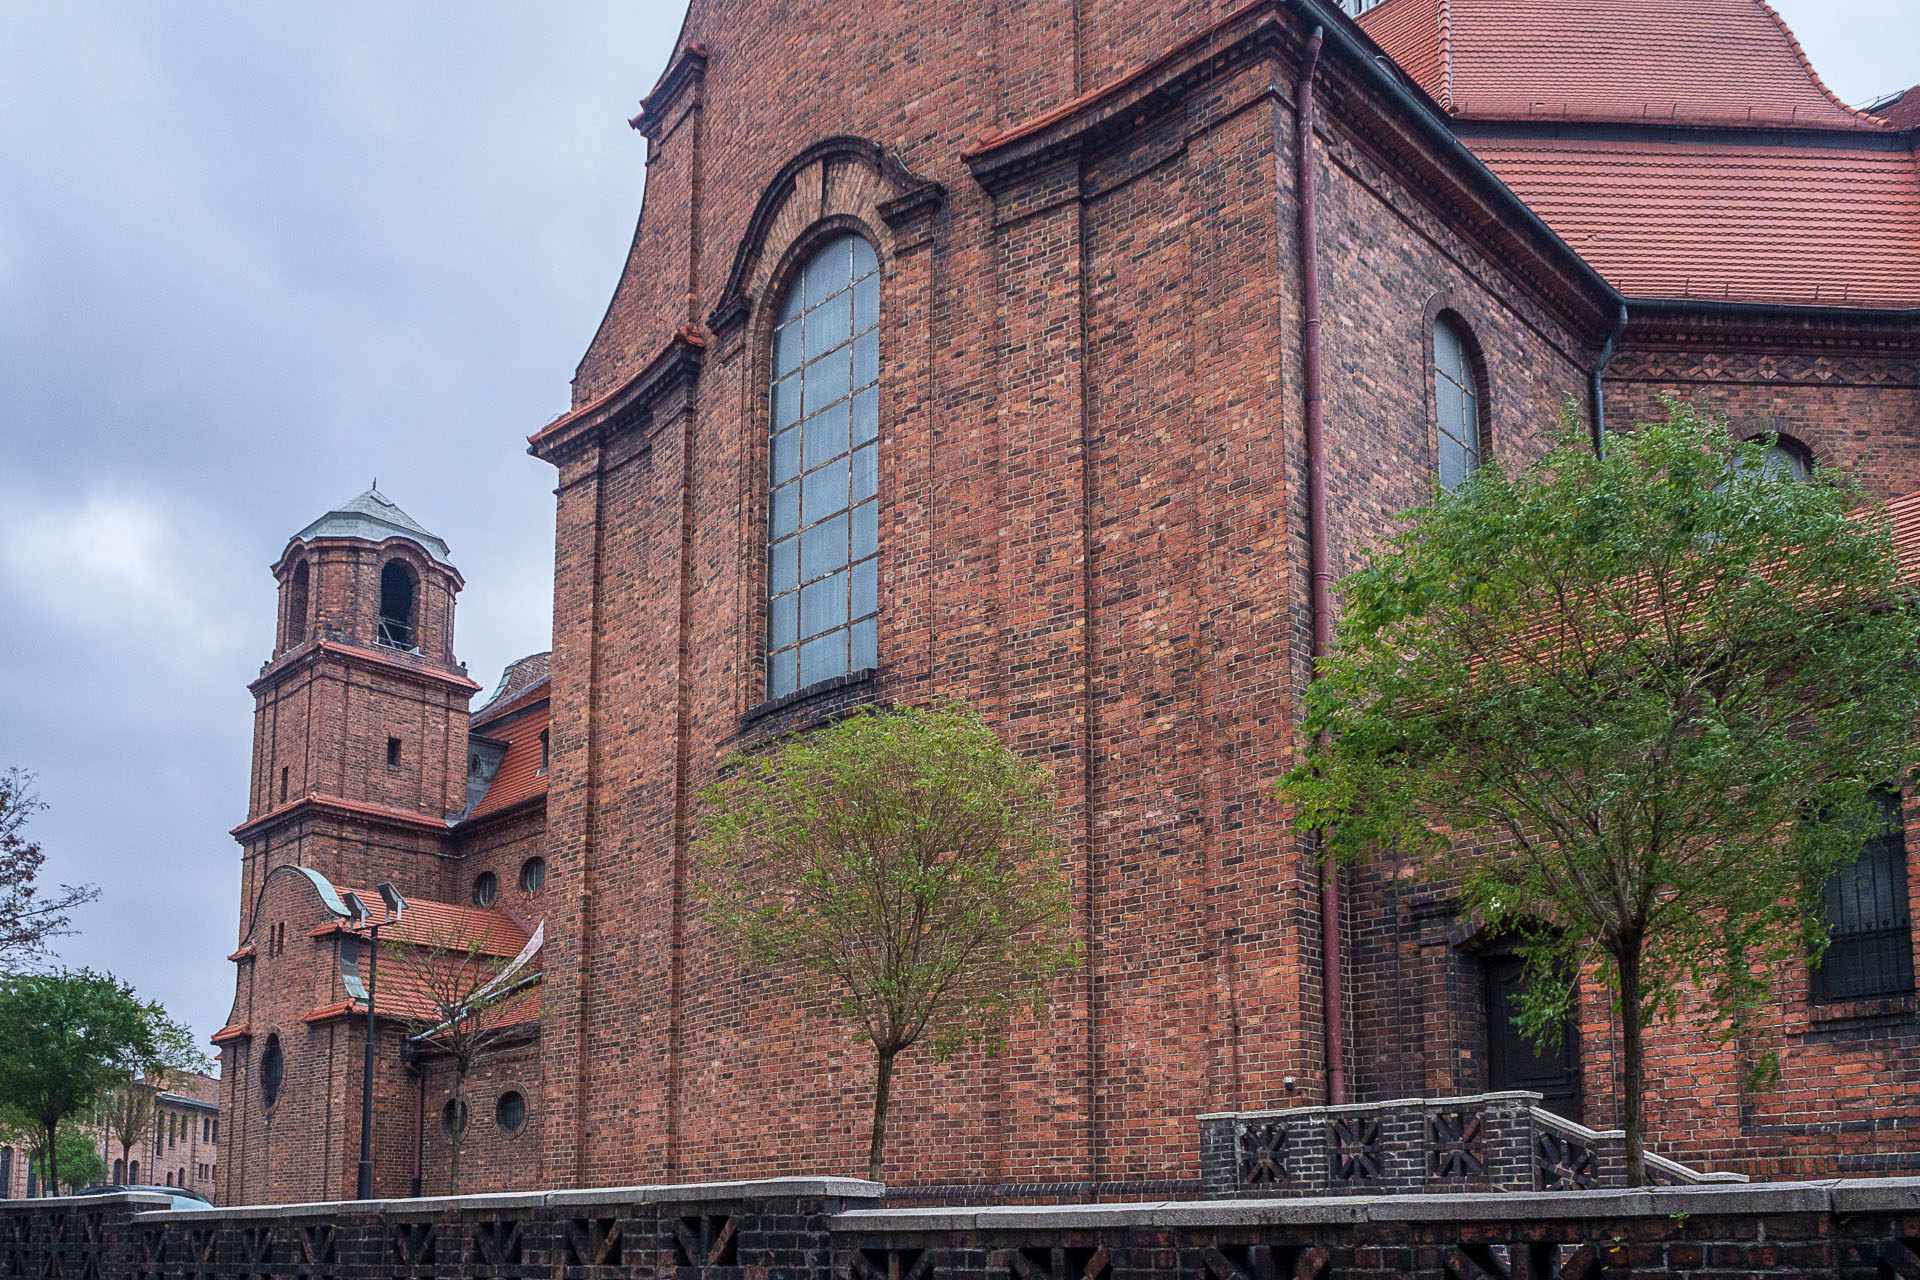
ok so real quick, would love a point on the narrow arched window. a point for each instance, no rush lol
(396, 605)
(297, 604)
(1456, 401)
(823, 521)
(272, 1066)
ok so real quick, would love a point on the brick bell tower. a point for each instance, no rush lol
(360, 715)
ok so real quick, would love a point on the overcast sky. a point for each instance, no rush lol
(253, 254)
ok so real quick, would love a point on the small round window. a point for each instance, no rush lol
(453, 1117)
(485, 886)
(533, 875)
(273, 1067)
(510, 1112)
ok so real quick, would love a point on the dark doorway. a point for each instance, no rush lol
(1513, 1061)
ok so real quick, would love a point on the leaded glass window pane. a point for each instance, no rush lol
(824, 472)
(1868, 917)
(1456, 402)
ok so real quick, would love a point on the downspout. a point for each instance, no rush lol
(1333, 977)
(419, 1112)
(1595, 393)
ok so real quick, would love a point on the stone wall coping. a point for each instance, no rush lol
(1864, 1195)
(673, 1193)
(1876, 1195)
(1510, 1097)
(82, 1202)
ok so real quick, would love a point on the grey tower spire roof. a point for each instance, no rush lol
(374, 517)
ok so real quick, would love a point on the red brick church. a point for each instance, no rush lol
(1028, 352)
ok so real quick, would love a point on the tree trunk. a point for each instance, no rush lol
(51, 1184)
(883, 1085)
(459, 1134)
(1632, 1061)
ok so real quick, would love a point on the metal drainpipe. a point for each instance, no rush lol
(1595, 394)
(1333, 979)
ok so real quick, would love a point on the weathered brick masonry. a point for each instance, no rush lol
(1092, 525)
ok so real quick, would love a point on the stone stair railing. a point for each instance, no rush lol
(1481, 1142)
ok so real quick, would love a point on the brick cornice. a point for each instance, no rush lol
(310, 654)
(688, 68)
(317, 804)
(675, 369)
(1395, 124)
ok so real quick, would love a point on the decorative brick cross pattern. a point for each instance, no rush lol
(1265, 1262)
(708, 1240)
(1457, 1144)
(888, 1264)
(256, 1252)
(593, 1242)
(203, 1244)
(496, 1242)
(414, 1244)
(1059, 1263)
(1357, 1157)
(314, 1247)
(1263, 1154)
(150, 1256)
(1561, 1164)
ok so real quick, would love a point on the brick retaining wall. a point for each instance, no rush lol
(794, 1228)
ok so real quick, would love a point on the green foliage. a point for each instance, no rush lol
(902, 869)
(77, 1157)
(904, 864)
(1634, 707)
(68, 1038)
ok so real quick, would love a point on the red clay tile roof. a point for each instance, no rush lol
(425, 922)
(1742, 222)
(1901, 111)
(1667, 61)
(244, 953)
(232, 1031)
(520, 776)
(401, 994)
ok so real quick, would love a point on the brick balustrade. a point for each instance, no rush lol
(789, 1228)
(1481, 1142)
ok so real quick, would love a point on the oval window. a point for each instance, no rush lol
(272, 1067)
(510, 1112)
(533, 875)
(485, 886)
(453, 1117)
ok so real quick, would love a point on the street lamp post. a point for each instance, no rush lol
(395, 904)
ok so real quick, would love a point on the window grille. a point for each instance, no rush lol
(1868, 918)
(823, 521)
(1456, 402)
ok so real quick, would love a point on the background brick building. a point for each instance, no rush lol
(180, 1147)
(961, 352)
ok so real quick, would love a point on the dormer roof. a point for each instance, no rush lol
(374, 517)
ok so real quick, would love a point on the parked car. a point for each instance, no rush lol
(182, 1197)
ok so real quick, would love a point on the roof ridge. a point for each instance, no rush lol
(1806, 63)
(1443, 25)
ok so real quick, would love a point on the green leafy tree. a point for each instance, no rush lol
(902, 866)
(1635, 708)
(77, 1153)
(68, 1039)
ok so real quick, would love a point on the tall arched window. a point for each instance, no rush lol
(297, 605)
(1456, 401)
(823, 520)
(396, 605)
